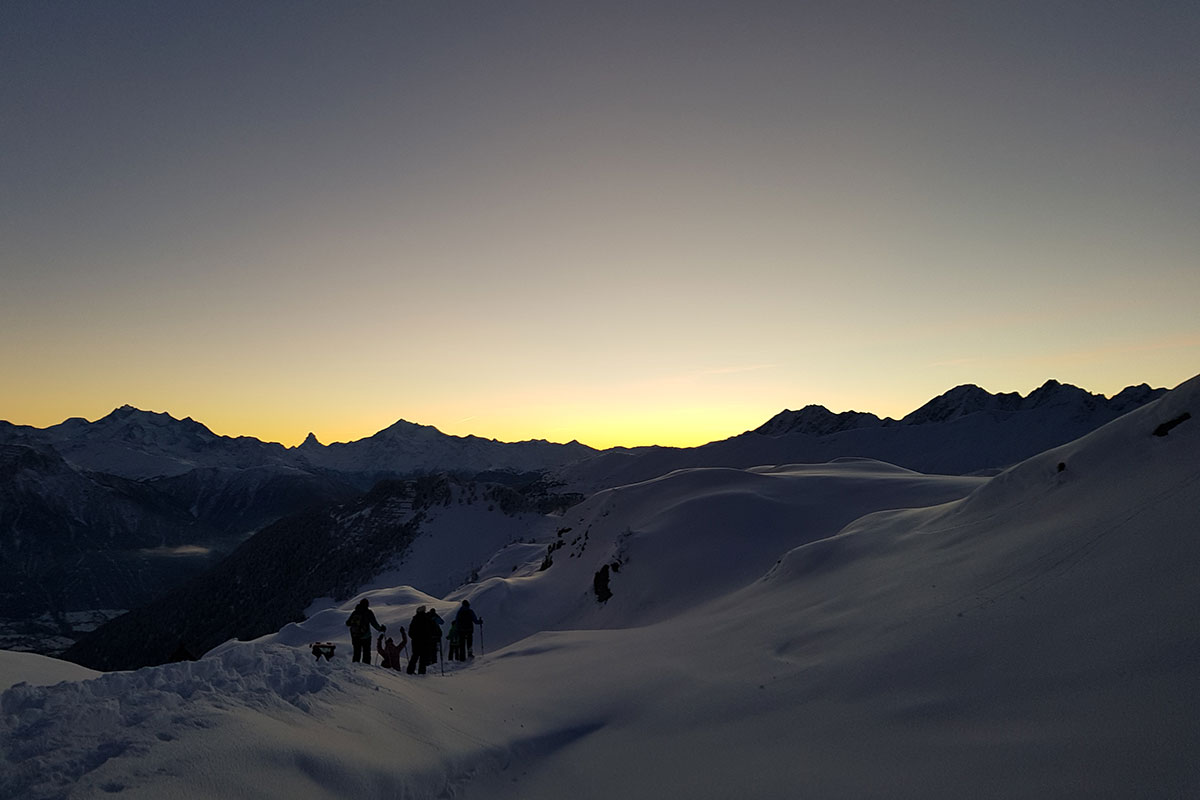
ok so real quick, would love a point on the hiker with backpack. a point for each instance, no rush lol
(465, 622)
(360, 622)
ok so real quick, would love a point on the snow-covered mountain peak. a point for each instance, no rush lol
(968, 399)
(1054, 393)
(141, 444)
(403, 429)
(1142, 434)
(136, 423)
(961, 401)
(816, 420)
(1134, 396)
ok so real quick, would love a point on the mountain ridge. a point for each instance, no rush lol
(966, 430)
(960, 401)
(139, 444)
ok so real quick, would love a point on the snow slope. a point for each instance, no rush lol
(681, 540)
(1036, 637)
(39, 670)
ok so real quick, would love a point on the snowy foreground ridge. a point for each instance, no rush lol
(843, 630)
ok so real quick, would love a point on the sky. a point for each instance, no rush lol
(623, 223)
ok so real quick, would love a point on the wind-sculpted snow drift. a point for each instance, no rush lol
(54, 737)
(1028, 635)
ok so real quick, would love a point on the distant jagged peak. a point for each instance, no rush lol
(1132, 397)
(128, 412)
(311, 441)
(1052, 392)
(961, 401)
(969, 399)
(816, 420)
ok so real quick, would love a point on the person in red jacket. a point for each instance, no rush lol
(389, 651)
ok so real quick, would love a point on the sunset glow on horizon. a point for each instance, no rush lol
(624, 224)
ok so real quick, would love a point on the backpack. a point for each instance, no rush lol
(359, 627)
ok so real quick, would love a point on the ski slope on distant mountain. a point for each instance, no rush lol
(1029, 635)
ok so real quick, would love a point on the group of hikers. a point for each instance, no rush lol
(424, 634)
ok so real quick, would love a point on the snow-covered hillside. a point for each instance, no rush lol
(38, 670)
(842, 630)
(676, 542)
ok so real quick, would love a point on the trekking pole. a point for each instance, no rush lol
(441, 658)
(481, 640)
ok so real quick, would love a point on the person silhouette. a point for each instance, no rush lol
(423, 635)
(465, 622)
(360, 622)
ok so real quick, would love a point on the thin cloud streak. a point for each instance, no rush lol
(735, 370)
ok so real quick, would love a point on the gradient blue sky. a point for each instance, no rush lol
(626, 223)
